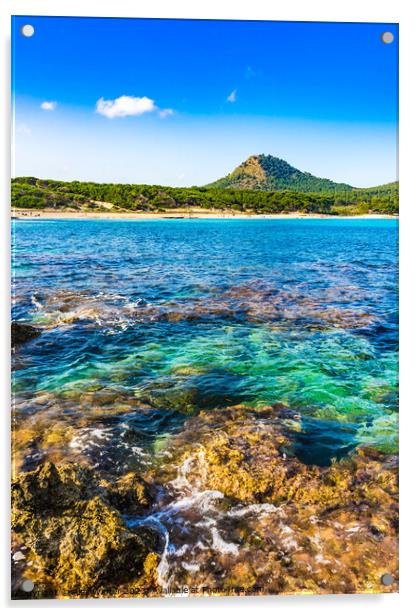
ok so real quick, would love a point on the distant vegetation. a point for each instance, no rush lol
(261, 184)
(33, 193)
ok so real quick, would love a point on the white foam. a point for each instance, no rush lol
(258, 509)
(181, 480)
(193, 567)
(36, 303)
(288, 541)
(182, 550)
(353, 529)
(153, 521)
(201, 500)
(85, 438)
(321, 560)
(222, 546)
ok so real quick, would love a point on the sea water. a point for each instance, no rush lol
(146, 322)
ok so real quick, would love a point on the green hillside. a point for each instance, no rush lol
(270, 173)
(391, 188)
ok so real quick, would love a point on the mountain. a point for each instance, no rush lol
(263, 172)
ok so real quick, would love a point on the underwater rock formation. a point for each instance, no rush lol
(273, 522)
(225, 508)
(188, 393)
(254, 301)
(74, 426)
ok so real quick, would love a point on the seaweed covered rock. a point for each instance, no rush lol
(255, 301)
(191, 391)
(129, 494)
(270, 521)
(68, 427)
(245, 453)
(22, 332)
(226, 506)
(49, 489)
(234, 454)
(78, 542)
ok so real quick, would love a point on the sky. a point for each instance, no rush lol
(183, 102)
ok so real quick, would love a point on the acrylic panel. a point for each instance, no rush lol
(205, 308)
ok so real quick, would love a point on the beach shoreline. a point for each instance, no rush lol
(181, 215)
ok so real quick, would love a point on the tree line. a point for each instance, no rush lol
(34, 193)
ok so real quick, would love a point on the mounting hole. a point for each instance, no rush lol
(27, 30)
(387, 579)
(28, 586)
(387, 37)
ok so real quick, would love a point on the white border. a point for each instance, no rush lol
(401, 11)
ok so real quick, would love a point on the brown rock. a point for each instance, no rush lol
(79, 544)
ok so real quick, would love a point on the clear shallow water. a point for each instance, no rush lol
(169, 317)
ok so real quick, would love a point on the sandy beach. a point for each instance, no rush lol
(177, 214)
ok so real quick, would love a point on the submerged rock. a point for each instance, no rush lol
(79, 544)
(227, 508)
(189, 393)
(22, 332)
(272, 523)
(73, 425)
(254, 301)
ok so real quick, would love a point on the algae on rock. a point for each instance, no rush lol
(78, 541)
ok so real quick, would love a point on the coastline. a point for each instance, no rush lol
(179, 215)
(170, 409)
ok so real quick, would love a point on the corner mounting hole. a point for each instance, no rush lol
(387, 579)
(387, 37)
(27, 30)
(28, 586)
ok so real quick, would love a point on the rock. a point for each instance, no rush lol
(97, 549)
(130, 494)
(79, 543)
(254, 515)
(47, 489)
(193, 392)
(242, 452)
(170, 396)
(254, 301)
(237, 456)
(22, 332)
(281, 525)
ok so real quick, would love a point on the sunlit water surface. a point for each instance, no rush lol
(181, 315)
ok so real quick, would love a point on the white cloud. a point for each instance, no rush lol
(164, 113)
(125, 106)
(129, 106)
(49, 105)
(232, 97)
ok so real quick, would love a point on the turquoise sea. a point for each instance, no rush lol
(147, 322)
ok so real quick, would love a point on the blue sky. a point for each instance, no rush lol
(180, 102)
